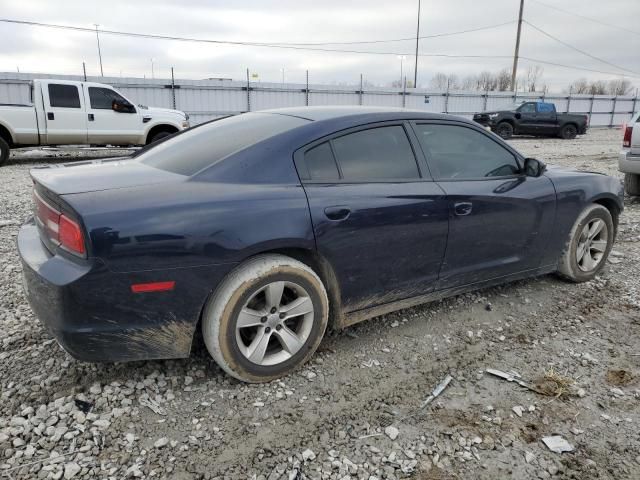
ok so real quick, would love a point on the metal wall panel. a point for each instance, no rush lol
(207, 99)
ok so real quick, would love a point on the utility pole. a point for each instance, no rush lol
(99, 52)
(84, 71)
(415, 72)
(515, 55)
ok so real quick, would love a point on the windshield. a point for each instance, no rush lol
(200, 147)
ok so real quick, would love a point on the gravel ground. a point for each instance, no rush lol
(354, 411)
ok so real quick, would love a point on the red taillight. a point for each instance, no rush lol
(626, 141)
(58, 227)
(70, 235)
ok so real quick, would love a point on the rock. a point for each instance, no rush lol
(557, 444)
(95, 389)
(581, 392)
(161, 442)
(529, 457)
(188, 380)
(518, 410)
(102, 424)
(392, 432)
(310, 375)
(308, 455)
(71, 469)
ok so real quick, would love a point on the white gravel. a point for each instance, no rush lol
(359, 416)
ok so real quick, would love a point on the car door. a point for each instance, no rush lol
(377, 216)
(527, 119)
(107, 126)
(500, 219)
(65, 117)
(546, 118)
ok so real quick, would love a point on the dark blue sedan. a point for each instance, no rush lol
(264, 228)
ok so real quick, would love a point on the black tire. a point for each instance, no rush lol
(569, 266)
(224, 339)
(159, 136)
(569, 131)
(4, 151)
(632, 184)
(504, 130)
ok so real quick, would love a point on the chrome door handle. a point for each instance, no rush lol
(462, 208)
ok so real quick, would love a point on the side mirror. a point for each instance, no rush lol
(518, 115)
(534, 167)
(122, 107)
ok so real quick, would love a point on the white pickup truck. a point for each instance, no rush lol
(74, 113)
(629, 160)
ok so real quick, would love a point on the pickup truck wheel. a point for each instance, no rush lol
(632, 184)
(504, 130)
(4, 152)
(588, 245)
(266, 318)
(569, 132)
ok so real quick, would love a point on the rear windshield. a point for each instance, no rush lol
(201, 147)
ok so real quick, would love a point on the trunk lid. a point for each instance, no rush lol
(82, 177)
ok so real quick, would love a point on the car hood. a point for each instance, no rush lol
(81, 177)
(164, 112)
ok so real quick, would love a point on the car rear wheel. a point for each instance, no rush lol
(569, 132)
(504, 130)
(588, 246)
(632, 184)
(4, 152)
(266, 318)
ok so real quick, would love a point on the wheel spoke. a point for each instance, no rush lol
(599, 245)
(300, 306)
(249, 318)
(273, 293)
(596, 228)
(588, 263)
(258, 346)
(289, 340)
(582, 248)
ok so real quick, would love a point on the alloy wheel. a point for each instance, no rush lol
(592, 245)
(275, 323)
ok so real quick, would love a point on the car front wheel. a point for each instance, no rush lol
(266, 318)
(504, 130)
(588, 246)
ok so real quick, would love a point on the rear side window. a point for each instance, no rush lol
(545, 107)
(195, 149)
(64, 96)
(459, 153)
(382, 153)
(102, 98)
(321, 164)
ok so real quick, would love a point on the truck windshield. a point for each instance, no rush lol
(189, 152)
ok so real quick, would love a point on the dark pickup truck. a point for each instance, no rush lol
(533, 118)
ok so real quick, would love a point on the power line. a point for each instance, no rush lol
(586, 18)
(230, 42)
(436, 35)
(577, 49)
(573, 67)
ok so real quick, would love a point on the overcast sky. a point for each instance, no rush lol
(37, 49)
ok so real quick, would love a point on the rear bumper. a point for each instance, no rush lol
(628, 163)
(94, 315)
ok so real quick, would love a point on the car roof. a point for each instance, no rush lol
(335, 112)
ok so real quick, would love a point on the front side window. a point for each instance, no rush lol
(381, 153)
(64, 96)
(527, 108)
(459, 153)
(102, 98)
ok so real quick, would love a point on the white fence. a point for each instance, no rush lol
(207, 99)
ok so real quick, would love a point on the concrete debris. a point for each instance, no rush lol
(557, 444)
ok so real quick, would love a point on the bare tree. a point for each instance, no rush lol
(504, 80)
(486, 81)
(534, 75)
(580, 86)
(598, 88)
(619, 86)
(439, 81)
(469, 83)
